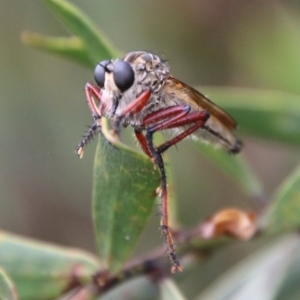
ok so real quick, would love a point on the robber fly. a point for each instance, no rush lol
(138, 90)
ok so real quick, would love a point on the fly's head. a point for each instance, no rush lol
(114, 77)
(123, 80)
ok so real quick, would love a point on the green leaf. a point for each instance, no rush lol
(290, 288)
(140, 288)
(89, 46)
(272, 115)
(70, 48)
(41, 270)
(283, 215)
(124, 192)
(236, 167)
(169, 290)
(7, 288)
(256, 277)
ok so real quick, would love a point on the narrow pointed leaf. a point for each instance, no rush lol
(95, 45)
(169, 290)
(42, 270)
(123, 196)
(7, 288)
(236, 167)
(283, 215)
(258, 276)
(272, 115)
(140, 288)
(289, 288)
(71, 48)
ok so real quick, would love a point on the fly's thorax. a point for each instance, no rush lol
(150, 71)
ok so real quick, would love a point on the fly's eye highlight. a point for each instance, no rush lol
(123, 75)
(99, 73)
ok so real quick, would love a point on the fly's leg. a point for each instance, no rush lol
(183, 118)
(168, 118)
(198, 118)
(132, 108)
(163, 194)
(91, 92)
(159, 117)
(89, 135)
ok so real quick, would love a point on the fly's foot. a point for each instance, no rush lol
(177, 268)
(93, 129)
(80, 151)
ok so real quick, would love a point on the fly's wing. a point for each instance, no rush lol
(218, 127)
(196, 100)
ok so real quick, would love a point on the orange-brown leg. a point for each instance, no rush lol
(94, 93)
(132, 108)
(163, 194)
(165, 119)
(91, 92)
(199, 118)
(160, 117)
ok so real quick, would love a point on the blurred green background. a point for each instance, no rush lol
(46, 190)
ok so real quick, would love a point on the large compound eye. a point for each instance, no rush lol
(99, 73)
(123, 75)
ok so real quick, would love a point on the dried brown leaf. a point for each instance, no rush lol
(232, 222)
